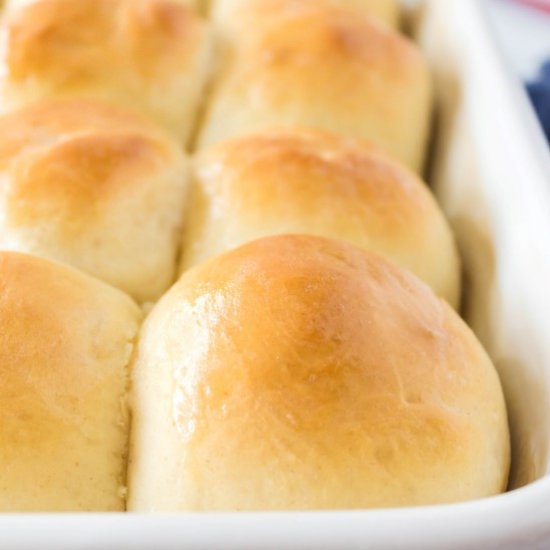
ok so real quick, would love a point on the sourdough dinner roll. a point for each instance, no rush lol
(148, 55)
(93, 186)
(236, 13)
(299, 373)
(65, 345)
(298, 181)
(326, 68)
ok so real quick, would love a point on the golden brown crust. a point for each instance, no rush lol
(95, 187)
(16, 4)
(238, 14)
(303, 373)
(65, 343)
(300, 181)
(326, 68)
(149, 55)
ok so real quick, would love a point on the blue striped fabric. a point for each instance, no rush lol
(539, 91)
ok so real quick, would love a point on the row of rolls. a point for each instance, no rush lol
(224, 284)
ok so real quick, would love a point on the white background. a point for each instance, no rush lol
(523, 33)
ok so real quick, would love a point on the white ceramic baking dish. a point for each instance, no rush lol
(492, 175)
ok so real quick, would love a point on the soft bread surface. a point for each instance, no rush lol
(326, 68)
(297, 181)
(95, 187)
(236, 13)
(152, 56)
(16, 4)
(301, 373)
(65, 345)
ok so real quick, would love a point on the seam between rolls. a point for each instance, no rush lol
(128, 409)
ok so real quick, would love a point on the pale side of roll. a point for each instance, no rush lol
(152, 56)
(65, 345)
(93, 186)
(324, 68)
(236, 13)
(299, 181)
(301, 373)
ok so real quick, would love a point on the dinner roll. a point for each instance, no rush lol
(92, 186)
(299, 373)
(233, 13)
(297, 181)
(327, 68)
(15, 4)
(65, 345)
(148, 55)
